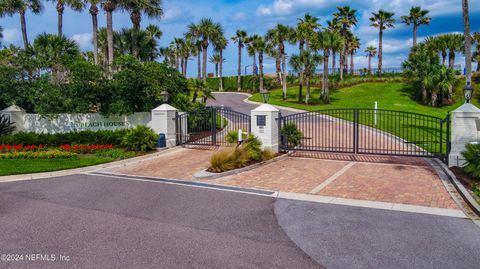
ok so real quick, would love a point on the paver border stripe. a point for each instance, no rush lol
(456, 213)
(329, 180)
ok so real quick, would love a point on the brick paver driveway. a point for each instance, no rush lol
(403, 182)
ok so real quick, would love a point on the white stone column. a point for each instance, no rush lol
(163, 122)
(264, 125)
(17, 116)
(465, 127)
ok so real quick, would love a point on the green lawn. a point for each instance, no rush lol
(25, 166)
(393, 96)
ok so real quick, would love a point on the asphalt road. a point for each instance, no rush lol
(105, 222)
(235, 102)
(352, 237)
(101, 222)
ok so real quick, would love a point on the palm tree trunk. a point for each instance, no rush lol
(24, 29)
(444, 57)
(185, 66)
(135, 17)
(334, 61)
(260, 63)
(415, 29)
(284, 77)
(380, 51)
(239, 69)
(307, 80)
(352, 65)
(468, 43)
(110, 38)
(278, 68)
(369, 64)
(342, 60)
(177, 62)
(94, 13)
(60, 8)
(199, 66)
(216, 70)
(254, 67)
(300, 76)
(451, 59)
(182, 65)
(221, 70)
(204, 67)
(325, 91)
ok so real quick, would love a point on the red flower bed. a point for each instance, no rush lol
(85, 148)
(6, 148)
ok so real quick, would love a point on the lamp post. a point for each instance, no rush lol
(265, 95)
(468, 91)
(165, 96)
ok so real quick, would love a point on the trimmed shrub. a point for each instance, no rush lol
(291, 132)
(73, 138)
(141, 139)
(38, 155)
(114, 154)
(472, 156)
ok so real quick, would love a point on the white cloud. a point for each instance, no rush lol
(240, 16)
(172, 13)
(391, 45)
(11, 35)
(286, 7)
(84, 40)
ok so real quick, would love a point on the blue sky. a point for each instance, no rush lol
(257, 17)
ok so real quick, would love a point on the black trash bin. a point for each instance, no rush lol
(162, 141)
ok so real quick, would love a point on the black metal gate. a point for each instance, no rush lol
(366, 131)
(209, 125)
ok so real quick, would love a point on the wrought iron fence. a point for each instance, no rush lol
(367, 131)
(209, 126)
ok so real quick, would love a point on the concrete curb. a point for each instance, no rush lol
(204, 174)
(67, 172)
(460, 188)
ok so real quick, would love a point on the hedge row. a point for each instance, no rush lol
(249, 83)
(72, 138)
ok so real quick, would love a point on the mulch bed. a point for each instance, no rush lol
(468, 181)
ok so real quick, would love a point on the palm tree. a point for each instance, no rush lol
(307, 61)
(220, 43)
(346, 18)
(176, 45)
(216, 59)
(454, 43)
(168, 56)
(55, 52)
(1, 35)
(468, 44)
(381, 20)
(240, 38)
(353, 45)
(476, 40)
(151, 8)
(260, 47)
(327, 41)
(186, 50)
(371, 52)
(439, 44)
(93, 10)
(334, 26)
(302, 34)
(109, 6)
(11, 7)
(76, 5)
(279, 35)
(252, 52)
(206, 31)
(416, 17)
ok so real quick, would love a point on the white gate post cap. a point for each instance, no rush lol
(467, 107)
(266, 108)
(165, 107)
(13, 108)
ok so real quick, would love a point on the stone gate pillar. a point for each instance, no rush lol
(264, 125)
(465, 128)
(17, 116)
(164, 123)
